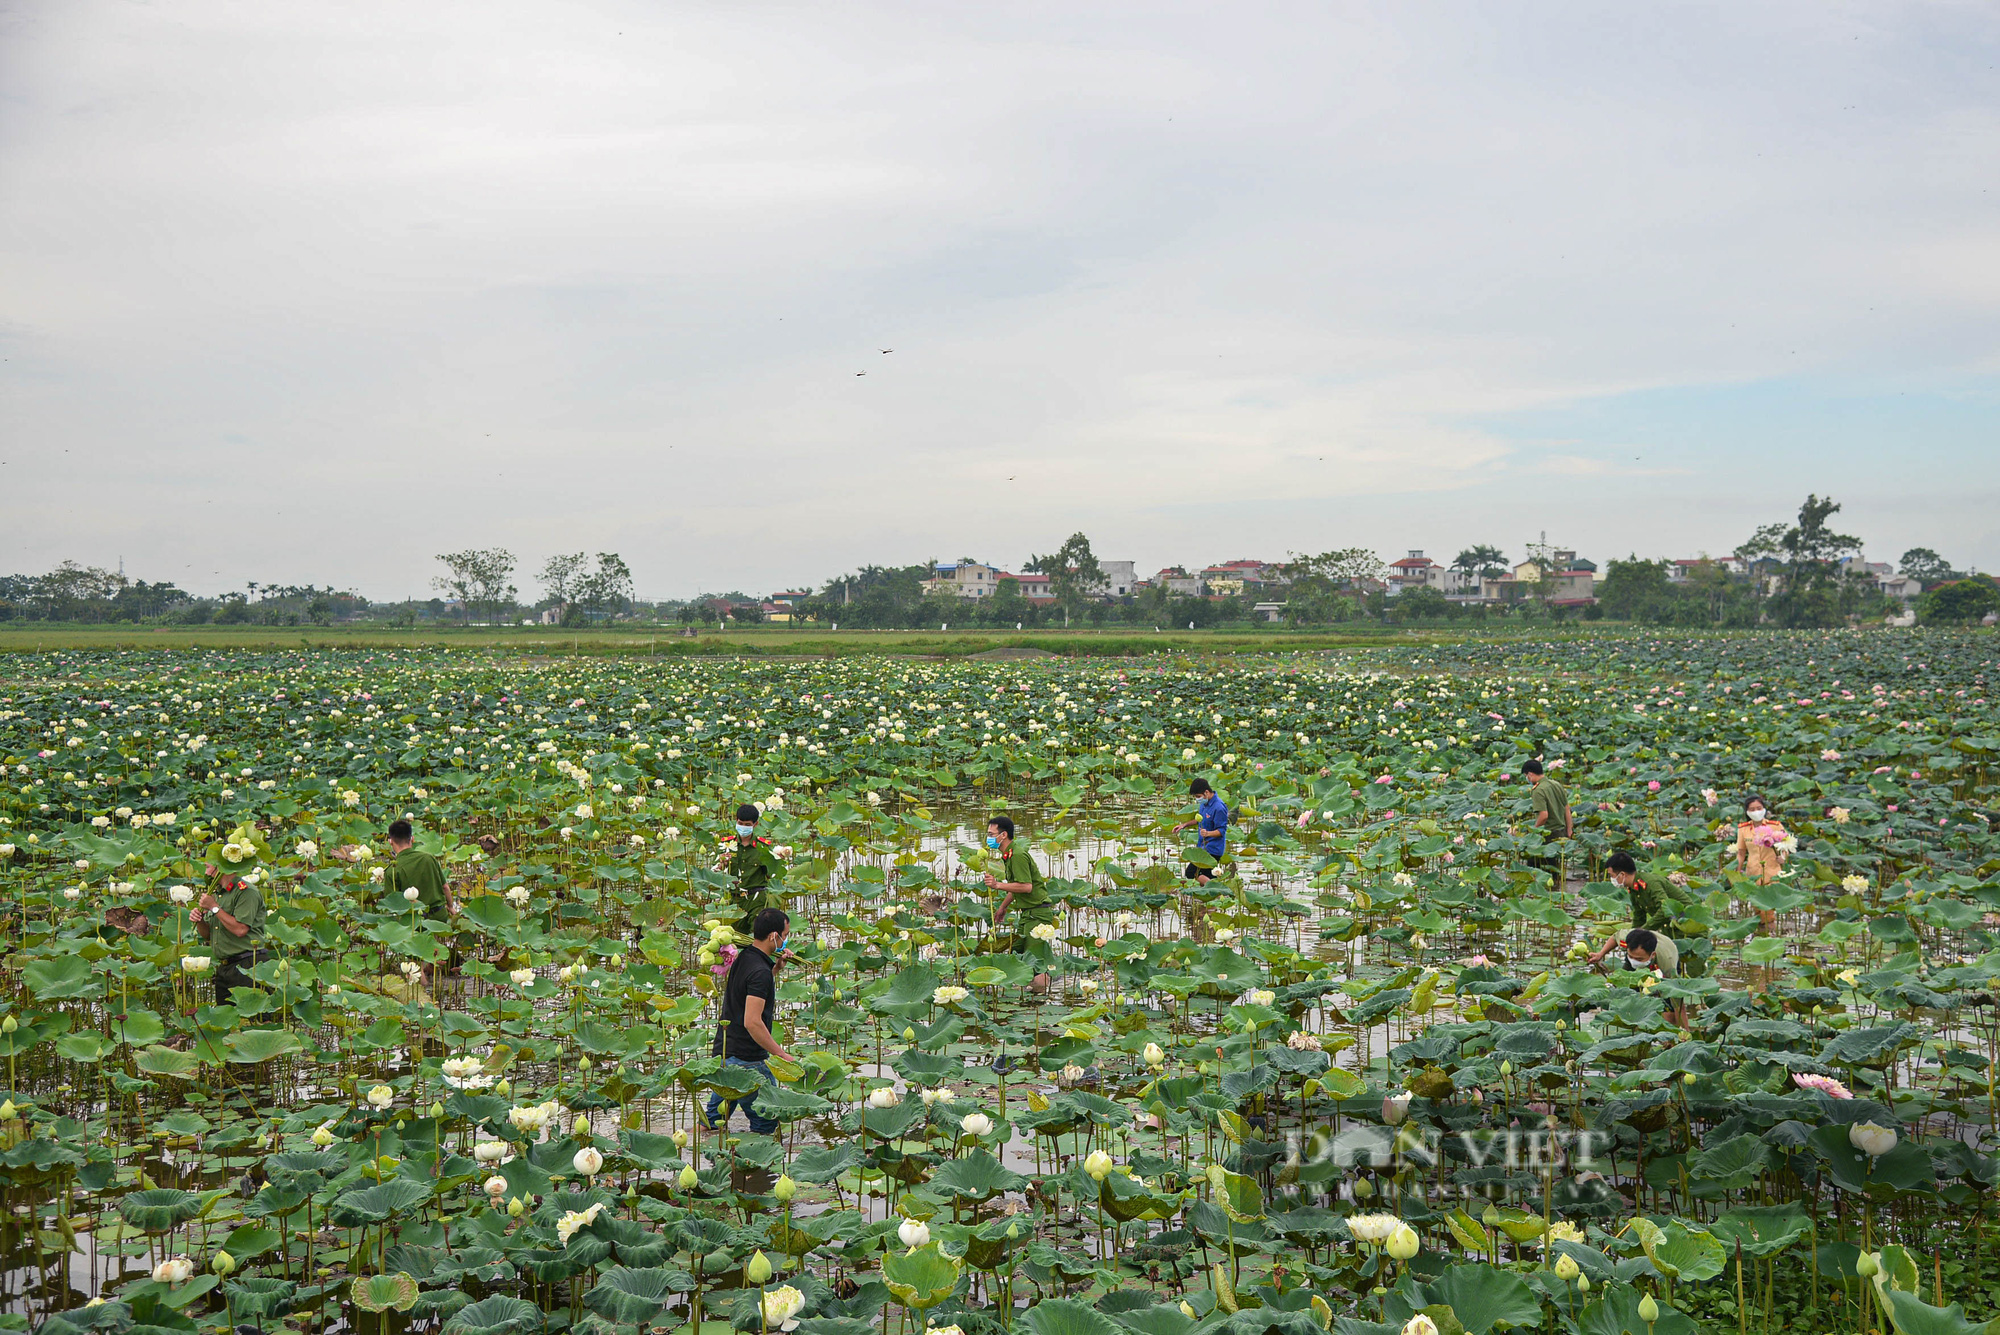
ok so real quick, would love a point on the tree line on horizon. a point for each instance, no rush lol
(1792, 576)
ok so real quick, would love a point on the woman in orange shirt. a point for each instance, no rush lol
(1757, 851)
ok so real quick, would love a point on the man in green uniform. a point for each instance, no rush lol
(1019, 881)
(750, 861)
(1548, 803)
(418, 871)
(237, 908)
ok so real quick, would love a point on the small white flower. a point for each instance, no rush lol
(195, 963)
(883, 1097)
(1260, 996)
(413, 894)
(180, 894)
(521, 977)
(306, 849)
(977, 1124)
(1043, 931)
(381, 1096)
(914, 1233)
(496, 1187)
(173, 1270)
(588, 1162)
(1098, 1164)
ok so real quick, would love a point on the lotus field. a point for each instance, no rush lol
(1366, 1077)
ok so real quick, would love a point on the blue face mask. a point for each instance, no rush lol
(993, 841)
(745, 831)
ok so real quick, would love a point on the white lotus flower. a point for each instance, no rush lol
(1872, 1140)
(381, 1096)
(1155, 1055)
(1373, 1228)
(195, 963)
(1260, 996)
(521, 977)
(173, 1270)
(782, 1306)
(977, 1124)
(306, 849)
(413, 894)
(947, 994)
(490, 1151)
(496, 1187)
(583, 811)
(1098, 1164)
(180, 894)
(1043, 931)
(883, 1097)
(1420, 1325)
(588, 1162)
(914, 1233)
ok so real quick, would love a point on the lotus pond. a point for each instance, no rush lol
(1364, 1080)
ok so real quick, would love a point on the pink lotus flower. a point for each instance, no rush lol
(1892, 806)
(1829, 754)
(1652, 785)
(1881, 769)
(1825, 1084)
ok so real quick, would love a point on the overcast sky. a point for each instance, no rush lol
(310, 293)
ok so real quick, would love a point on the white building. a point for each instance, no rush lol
(966, 579)
(1120, 579)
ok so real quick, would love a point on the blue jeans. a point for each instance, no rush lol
(719, 1110)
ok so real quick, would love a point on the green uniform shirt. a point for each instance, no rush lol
(246, 906)
(755, 865)
(1551, 797)
(1019, 867)
(1649, 908)
(424, 872)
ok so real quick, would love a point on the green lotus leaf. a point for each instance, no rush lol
(497, 1315)
(920, 1279)
(249, 1046)
(382, 1293)
(158, 1209)
(636, 1297)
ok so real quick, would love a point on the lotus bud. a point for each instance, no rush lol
(1098, 1164)
(223, 1264)
(1583, 1283)
(1403, 1243)
(496, 1187)
(688, 1178)
(883, 1097)
(680, 1139)
(1567, 1268)
(436, 1109)
(322, 1137)
(490, 1151)
(758, 1269)
(1506, 1069)
(504, 1089)
(173, 1270)
(909, 1034)
(1395, 1108)
(588, 1162)
(9, 1025)
(581, 1127)
(517, 1207)
(1155, 1055)
(1186, 1310)
(914, 1233)
(1363, 1189)
(1867, 1265)
(784, 1189)
(1688, 1079)
(1872, 1140)
(1649, 1309)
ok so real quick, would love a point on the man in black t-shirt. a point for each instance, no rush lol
(749, 1001)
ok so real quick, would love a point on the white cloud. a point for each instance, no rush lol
(390, 279)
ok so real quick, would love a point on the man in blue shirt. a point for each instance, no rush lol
(1211, 824)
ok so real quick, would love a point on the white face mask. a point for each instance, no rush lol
(1758, 813)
